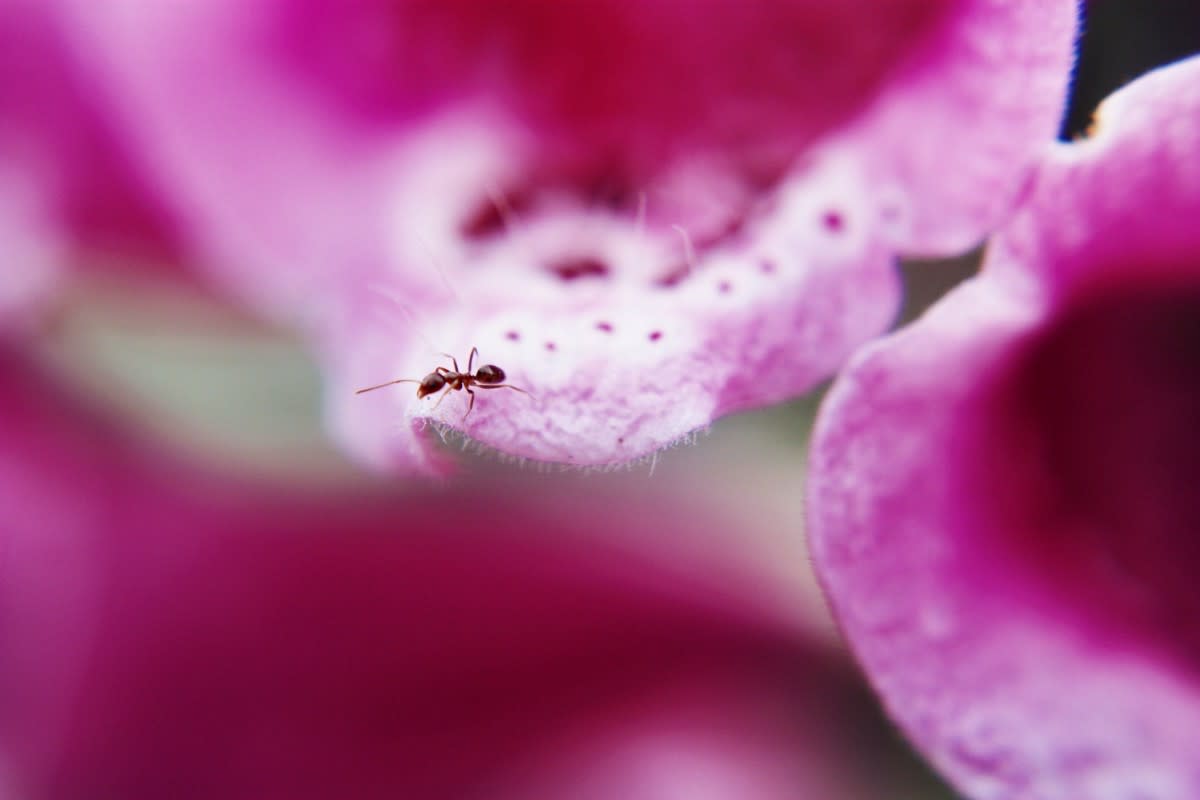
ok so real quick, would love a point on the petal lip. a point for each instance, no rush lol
(720, 278)
(1001, 71)
(985, 644)
(1076, 229)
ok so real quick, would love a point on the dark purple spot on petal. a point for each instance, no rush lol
(604, 326)
(576, 268)
(833, 221)
(551, 346)
(512, 336)
(655, 335)
(674, 277)
(724, 287)
(766, 266)
(492, 215)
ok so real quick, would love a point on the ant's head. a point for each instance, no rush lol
(433, 382)
(489, 373)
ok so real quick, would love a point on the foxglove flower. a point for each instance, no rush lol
(67, 190)
(1004, 501)
(171, 631)
(648, 215)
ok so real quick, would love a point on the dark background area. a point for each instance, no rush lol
(1123, 39)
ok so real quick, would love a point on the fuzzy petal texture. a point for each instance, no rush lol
(647, 215)
(169, 631)
(1002, 497)
(67, 189)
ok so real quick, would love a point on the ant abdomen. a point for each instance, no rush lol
(490, 373)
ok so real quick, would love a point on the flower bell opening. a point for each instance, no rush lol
(1092, 448)
(635, 84)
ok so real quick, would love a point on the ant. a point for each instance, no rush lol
(488, 376)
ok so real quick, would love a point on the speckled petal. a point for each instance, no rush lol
(636, 262)
(1002, 497)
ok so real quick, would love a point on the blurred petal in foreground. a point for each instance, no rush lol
(170, 632)
(67, 188)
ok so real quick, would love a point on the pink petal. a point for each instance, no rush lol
(648, 219)
(169, 631)
(66, 186)
(34, 255)
(950, 148)
(1002, 496)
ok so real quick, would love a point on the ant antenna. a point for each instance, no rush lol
(389, 383)
(406, 311)
(434, 261)
(688, 252)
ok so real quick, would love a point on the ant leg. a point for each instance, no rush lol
(502, 386)
(453, 361)
(445, 394)
(471, 360)
(470, 404)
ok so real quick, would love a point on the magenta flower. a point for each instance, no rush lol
(1003, 497)
(168, 631)
(65, 185)
(649, 215)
